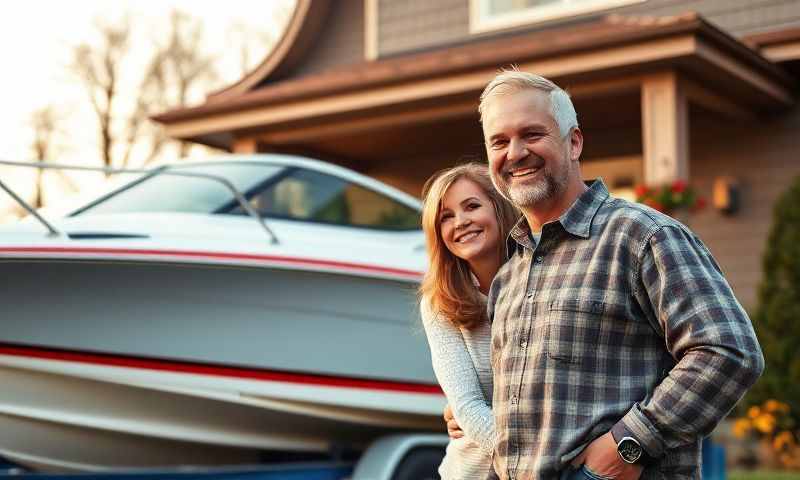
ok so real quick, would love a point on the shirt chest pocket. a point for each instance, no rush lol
(577, 332)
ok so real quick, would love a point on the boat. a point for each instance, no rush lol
(221, 312)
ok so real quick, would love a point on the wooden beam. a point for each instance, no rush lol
(783, 52)
(371, 47)
(331, 128)
(665, 129)
(755, 79)
(713, 101)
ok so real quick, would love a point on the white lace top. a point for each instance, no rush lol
(463, 367)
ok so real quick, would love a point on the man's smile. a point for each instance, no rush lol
(523, 172)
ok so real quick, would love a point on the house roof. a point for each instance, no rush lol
(777, 45)
(298, 36)
(626, 44)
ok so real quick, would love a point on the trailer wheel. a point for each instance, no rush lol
(420, 464)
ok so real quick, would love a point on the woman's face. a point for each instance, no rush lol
(468, 223)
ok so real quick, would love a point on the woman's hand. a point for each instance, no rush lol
(453, 430)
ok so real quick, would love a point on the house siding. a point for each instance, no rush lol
(418, 24)
(423, 24)
(762, 156)
(340, 42)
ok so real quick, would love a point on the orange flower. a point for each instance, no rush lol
(765, 423)
(741, 427)
(774, 406)
(785, 439)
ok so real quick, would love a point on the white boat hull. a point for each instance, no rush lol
(203, 365)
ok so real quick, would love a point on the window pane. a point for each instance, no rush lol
(506, 6)
(371, 209)
(317, 197)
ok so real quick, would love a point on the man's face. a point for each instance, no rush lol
(529, 161)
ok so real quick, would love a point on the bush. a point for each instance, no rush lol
(777, 319)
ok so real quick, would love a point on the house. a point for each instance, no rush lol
(390, 89)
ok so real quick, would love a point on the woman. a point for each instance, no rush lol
(465, 222)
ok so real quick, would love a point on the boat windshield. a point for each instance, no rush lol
(171, 193)
(274, 191)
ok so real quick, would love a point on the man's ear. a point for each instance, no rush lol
(575, 144)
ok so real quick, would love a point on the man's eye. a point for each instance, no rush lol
(497, 145)
(532, 135)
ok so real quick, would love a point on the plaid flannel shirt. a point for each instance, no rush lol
(619, 317)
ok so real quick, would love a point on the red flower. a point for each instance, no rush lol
(699, 204)
(679, 186)
(641, 191)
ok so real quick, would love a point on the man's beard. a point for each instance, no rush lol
(526, 196)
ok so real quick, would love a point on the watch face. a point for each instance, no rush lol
(630, 450)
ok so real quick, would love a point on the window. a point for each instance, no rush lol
(316, 197)
(486, 15)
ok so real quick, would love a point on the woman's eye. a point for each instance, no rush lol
(473, 206)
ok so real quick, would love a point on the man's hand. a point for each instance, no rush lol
(601, 457)
(453, 430)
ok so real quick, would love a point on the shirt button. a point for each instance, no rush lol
(523, 343)
(538, 259)
(513, 400)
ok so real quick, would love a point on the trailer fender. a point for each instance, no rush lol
(387, 456)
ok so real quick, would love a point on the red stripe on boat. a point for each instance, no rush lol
(215, 256)
(219, 371)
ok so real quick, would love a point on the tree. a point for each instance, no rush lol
(123, 99)
(45, 124)
(179, 68)
(777, 320)
(99, 67)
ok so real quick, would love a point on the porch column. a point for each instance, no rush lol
(665, 129)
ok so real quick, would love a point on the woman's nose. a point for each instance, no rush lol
(462, 220)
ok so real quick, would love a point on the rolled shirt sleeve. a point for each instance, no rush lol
(682, 290)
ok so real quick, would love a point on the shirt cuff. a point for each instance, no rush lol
(635, 424)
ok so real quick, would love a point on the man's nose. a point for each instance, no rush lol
(517, 150)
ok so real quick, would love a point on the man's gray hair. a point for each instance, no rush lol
(512, 81)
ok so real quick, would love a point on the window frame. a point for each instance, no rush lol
(480, 21)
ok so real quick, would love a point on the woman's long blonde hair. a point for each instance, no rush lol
(448, 285)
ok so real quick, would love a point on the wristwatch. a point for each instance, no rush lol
(630, 450)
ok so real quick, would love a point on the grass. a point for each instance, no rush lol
(763, 475)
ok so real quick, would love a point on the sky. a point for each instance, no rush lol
(36, 42)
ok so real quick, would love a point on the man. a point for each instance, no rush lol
(616, 342)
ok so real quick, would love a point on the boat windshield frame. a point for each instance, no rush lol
(145, 172)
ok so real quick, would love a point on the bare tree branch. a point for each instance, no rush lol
(45, 123)
(99, 68)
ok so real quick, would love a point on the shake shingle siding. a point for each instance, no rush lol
(423, 24)
(419, 24)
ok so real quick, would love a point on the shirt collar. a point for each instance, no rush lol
(577, 219)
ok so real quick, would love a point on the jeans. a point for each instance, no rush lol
(581, 473)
